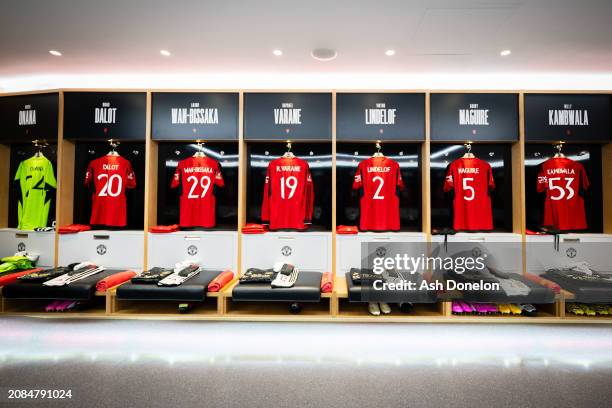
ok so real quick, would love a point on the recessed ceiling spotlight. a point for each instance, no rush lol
(56, 53)
(323, 54)
(390, 53)
(505, 53)
(278, 53)
(165, 53)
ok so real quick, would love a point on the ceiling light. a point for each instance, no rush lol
(390, 53)
(56, 53)
(323, 54)
(505, 53)
(278, 53)
(165, 53)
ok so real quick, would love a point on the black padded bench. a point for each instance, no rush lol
(537, 294)
(582, 293)
(306, 289)
(84, 289)
(358, 294)
(194, 290)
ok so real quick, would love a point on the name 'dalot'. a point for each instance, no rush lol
(27, 116)
(474, 116)
(568, 116)
(380, 115)
(105, 114)
(195, 115)
(287, 115)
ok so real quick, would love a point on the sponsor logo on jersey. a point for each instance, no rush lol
(195, 115)
(287, 115)
(474, 116)
(568, 116)
(380, 115)
(105, 114)
(469, 170)
(379, 169)
(27, 117)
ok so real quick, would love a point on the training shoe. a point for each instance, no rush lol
(374, 309)
(503, 308)
(456, 308)
(515, 309)
(385, 308)
(407, 307)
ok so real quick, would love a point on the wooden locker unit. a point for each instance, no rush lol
(221, 305)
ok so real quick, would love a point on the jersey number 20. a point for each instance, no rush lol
(112, 186)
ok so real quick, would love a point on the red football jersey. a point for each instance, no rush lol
(288, 194)
(380, 179)
(198, 176)
(471, 179)
(111, 175)
(562, 178)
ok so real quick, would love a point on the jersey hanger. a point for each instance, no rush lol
(288, 154)
(39, 144)
(378, 152)
(468, 154)
(558, 147)
(113, 143)
(200, 151)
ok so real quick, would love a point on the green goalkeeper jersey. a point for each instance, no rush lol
(36, 178)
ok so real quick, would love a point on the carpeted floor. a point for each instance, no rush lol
(128, 363)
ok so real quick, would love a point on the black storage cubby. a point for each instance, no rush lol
(590, 157)
(319, 158)
(168, 205)
(348, 157)
(499, 155)
(19, 153)
(85, 152)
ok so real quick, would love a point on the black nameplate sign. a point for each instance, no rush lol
(190, 116)
(477, 117)
(24, 118)
(380, 116)
(568, 117)
(105, 115)
(287, 116)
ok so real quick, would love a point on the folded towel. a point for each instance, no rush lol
(327, 282)
(254, 229)
(114, 280)
(12, 277)
(346, 229)
(164, 228)
(73, 228)
(220, 281)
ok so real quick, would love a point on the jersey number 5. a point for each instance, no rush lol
(467, 187)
